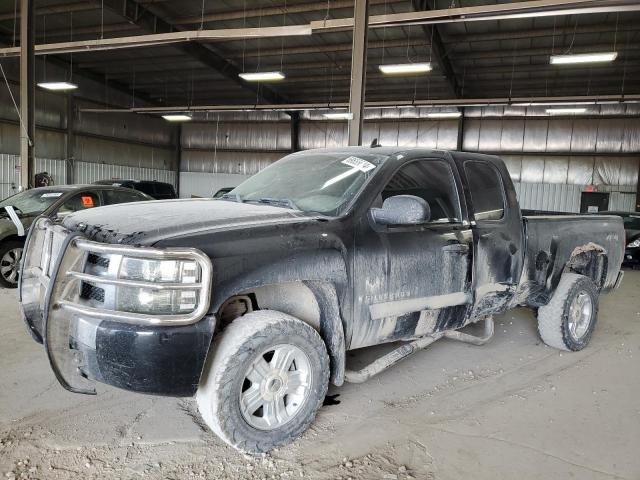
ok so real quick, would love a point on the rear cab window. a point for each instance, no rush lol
(113, 197)
(487, 192)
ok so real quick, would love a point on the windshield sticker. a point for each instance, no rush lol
(87, 202)
(51, 195)
(359, 163)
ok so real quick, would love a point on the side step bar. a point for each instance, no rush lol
(414, 346)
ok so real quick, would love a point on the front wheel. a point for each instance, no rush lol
(265, 378)
(568, 320)
(10, 255)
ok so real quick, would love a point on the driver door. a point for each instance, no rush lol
(411, 280)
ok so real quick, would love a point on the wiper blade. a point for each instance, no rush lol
(286, 202)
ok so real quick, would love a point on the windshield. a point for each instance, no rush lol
(631, 222)
(322, 182)
(32, 202)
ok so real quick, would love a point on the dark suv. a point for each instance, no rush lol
(157, 190)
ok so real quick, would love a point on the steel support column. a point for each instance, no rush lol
(70, 143)
(460, 131)
(27, 92)
(295, 130)
(358, 70)
(178, 158)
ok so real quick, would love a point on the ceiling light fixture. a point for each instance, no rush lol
(58, 86)
(338, 115)
(262, 76)
(405, 68)
(444, 115)
(565, 111)
(583, 58)
(177, 117)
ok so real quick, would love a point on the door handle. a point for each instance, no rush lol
(456, 248)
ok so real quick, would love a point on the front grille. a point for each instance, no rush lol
(91, 292)
(98, 260)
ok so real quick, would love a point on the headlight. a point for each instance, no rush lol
(145, 285)
(634, 244)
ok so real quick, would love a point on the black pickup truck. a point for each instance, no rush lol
(250, 301)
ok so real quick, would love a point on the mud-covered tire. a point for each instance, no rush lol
(10, 255)
(555, 324)
(231, 357)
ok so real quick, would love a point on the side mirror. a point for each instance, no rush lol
(402, 210)
(61, 214)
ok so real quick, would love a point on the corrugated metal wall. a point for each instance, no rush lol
(87, 172)
(550, 159)
(10, 173)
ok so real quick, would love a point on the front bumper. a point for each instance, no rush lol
(86, 342)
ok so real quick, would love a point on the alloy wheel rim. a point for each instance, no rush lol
(580, 313)
(10, 265)
(275, 387)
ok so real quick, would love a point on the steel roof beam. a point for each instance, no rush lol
(438, 51)
(150, 22)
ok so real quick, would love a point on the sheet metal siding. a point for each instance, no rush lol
(552, 135)
(549, 197)
(206, 184)
(256, 136)
(10, 175)
(139, 128)
(97, 150)
(238, 163)
(87, 172)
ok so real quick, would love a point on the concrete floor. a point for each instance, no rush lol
(511, 409)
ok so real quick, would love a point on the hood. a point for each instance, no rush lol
(146, 223)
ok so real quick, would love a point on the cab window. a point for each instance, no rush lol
(112, 197)
(80, 201)
(431, 180)
(486, 190)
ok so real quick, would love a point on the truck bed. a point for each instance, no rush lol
(554, 243)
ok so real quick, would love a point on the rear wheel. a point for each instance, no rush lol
(10, 255)
(265, 378)
(568, 320)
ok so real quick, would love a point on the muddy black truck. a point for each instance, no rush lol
(249, 302)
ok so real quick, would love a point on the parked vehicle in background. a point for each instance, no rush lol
(251, 301)
(631, 222)
(222, 191)
(52, 202)
(157, 190)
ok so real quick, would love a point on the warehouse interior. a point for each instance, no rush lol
(161, 90)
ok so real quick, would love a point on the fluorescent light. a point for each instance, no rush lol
(262, 76)
(565, 111)
(338, 115)
(583, 58)
(178, 117)
(444, 115)
(58, 86)
(402, 68)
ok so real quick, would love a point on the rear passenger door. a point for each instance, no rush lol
(497, 233)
